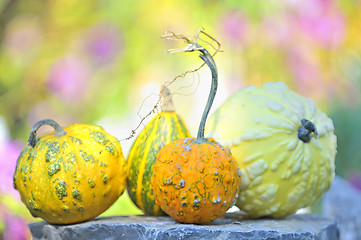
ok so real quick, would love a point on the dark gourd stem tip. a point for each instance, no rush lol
(305, 132)
(208, 59)
(59, 131)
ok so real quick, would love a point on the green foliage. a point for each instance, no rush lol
(123, 206)
(348, 132)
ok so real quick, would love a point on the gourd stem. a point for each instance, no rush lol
(305, 132)
(208, 59)
(167, 100)
(59, 131)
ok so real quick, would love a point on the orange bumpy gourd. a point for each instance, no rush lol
(195, 180)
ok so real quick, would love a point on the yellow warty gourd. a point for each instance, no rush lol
(70, 175)
(284, 145)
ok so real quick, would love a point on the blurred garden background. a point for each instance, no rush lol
(101, 61)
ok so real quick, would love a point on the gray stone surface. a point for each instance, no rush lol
(231, 226)
(343, 203)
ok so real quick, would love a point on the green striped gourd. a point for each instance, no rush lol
(166, 127)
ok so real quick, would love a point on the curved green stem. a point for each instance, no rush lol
(208, 59)
(59, 131)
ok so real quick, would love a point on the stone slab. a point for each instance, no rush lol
(231, 226)
(343, 204)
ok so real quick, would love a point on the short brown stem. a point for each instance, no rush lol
(168, 105)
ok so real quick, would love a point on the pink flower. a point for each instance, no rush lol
(23, 37)
(234, 26)
(355, 180)
(326, 28)
(15, 227)
(306, 69)
(9, 153)
(320, 20)
(303, 68)
(68, 78)
(279, 30)
(104, 43)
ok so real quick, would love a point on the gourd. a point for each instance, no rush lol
(70, 175)
(166, 127)
(284, 145)
(195, 180)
